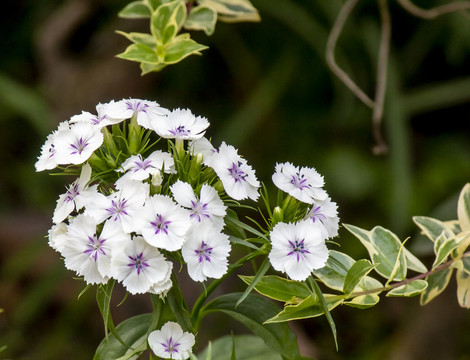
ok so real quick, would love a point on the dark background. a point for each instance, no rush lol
(266, 89)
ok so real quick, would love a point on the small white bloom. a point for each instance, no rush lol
(146, 112)
(89, 254)
(47, 160)
(297, 249)
(57, 236)
(164, 223)
(305, 184)
(170, 342)
(100, 120)
(207, 207)
(121, 207)
(237, 176)
(75, 145)
(139, 169)
(206, 251)
(77, 196)
(139, 266)
(181, 124)
(325, 213)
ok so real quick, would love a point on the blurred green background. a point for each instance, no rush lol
(266, 89)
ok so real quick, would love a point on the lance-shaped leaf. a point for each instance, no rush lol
(437, 282)
(201, 17)
(133, 332)
(308, 308)
(167, 20)
(355, 274)
(141, 38)
(412, 288)
(179, 49)
(255, 280)
(333, 274)
(233, 10)
(140, 53)
(446, 246)
(278, 288)
(363, 301)
(432, 228)
(463, 208)
(135, 10)
(463, 289)
(253, 313)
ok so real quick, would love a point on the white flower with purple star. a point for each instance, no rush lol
(88, 253)
(100, 120)
(140, 169)
(163, 223)
(47, 160)
(297, 249)
(139, 266)
(325, 213)
(170, 342)
(305, 184)
(181, 124)
(77, 196)
(146, 112)
(206, 251)
(238, 178)
(207, 207)
(122, 206)
(75, 145)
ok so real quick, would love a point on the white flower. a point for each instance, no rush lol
(208, 207)
(47, 160)
(305, 184)
(139, 266)
(297, 249)
(89, 254)
(181, 124)
(146, 112)
(170, 342)
(204, 147)
(77, 196)
(100, 120)
(121, 207)
(164, 223)
(237, 176)
(139, 169)
(206, 251)
(57, 236)
(325, 213)
(75, 145)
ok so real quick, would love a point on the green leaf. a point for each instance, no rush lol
(413, 263)
(249, 347)
(413, 288)
(463, 208)
(141, 38)
(178, 307)
(308, 308)
(135, 10)
(255, 280)
(355, 274)
(233, 10)
(363, 301)
(167, 20)
(466, 264)
(463, 289)
(437, 283)
(235, 240)
(431, 227)
(133, 332)
(446, 246)
(180, 49)
(390, 260)
(202, 17)
(279, 288)
(237, 226)
(253, 312)
(140, 53)
(146, 68)
(333, 274)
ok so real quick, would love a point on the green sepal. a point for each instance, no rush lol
(412, 288)
(203, 18)
(437, 282)
(363, 301)
(278, 288)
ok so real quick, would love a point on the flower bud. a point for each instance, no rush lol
(278, 215)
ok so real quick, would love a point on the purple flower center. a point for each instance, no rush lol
(299, 181)
(236, 172)
(180, 131)
(117, 209)
(51, 151)
(138, 262)
(160, 224)
(204, 252)
(298, 249)
(171, 346)
(98, 119)
(199, 211)
(72, 192)
(95, 247)
(137, 106)
(79, 146)
(316, 214)
(143, 165)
